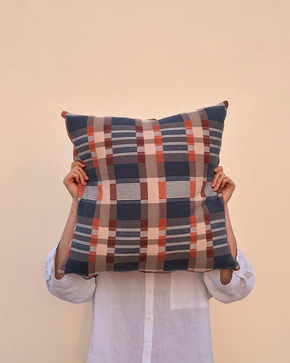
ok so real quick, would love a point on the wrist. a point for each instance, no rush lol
(225, 276)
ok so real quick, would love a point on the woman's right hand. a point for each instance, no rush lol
(75, 176)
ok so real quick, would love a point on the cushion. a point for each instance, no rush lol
(148, 204)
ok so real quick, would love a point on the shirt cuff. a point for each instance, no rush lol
(50, 269)
(241, 284)
(50, 263)
(70, 287)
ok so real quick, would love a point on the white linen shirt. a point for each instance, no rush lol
(150, 317)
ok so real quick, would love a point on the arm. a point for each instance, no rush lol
(69, 287)
(227, 285)
(227, 187)
(226, 274)
(65, 238)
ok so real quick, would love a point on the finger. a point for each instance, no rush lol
(74, 163)
(82, 171)
(216, 176)
(224, 181)
(78, 175)
(73, 176)
(219, 179)
(227, 181)
(230, 183)
(78, 164)
(81, 166)
(218, 168)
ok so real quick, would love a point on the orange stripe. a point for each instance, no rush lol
(162, 189)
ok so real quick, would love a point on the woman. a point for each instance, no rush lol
(149, 318)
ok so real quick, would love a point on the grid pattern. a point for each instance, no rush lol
(148, 204)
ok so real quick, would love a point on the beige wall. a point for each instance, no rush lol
(145, 59)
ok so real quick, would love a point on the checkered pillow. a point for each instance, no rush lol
(148, 204)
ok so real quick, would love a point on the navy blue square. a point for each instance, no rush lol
(129, 211)
(210, 172)
(173, 265)
(86, 208)
(126, 171)
(78, 267)
(126, 266)
(214, 204)
(179, 169)
(224, 261)
(216, 113)
(122, 121)
(178, 209)
(76, 122)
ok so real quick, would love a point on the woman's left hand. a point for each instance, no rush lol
(226, 185)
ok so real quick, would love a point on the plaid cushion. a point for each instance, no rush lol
(148, 204)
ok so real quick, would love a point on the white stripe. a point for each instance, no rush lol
(175, 143)
(81, 251)
(172, 128)
(219, 237)
(214, 145)
(177, 251)
(219, 246)
(124, 145)
(122, 138)
(82, 234)
(216, 130)
(215, 138)
(80, 242)
(218, 229)
(79, 137)
(127, 238)
(217, 221)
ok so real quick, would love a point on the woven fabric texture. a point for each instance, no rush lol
(148, 204)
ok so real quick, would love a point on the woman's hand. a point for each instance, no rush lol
(75, 176)
(220, 180)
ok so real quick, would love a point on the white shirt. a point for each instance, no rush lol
(149, 317)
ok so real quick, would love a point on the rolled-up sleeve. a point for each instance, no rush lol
(238, 288)
(71, 287)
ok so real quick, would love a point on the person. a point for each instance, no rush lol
(149, 317)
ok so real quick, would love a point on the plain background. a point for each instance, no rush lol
(143, 59)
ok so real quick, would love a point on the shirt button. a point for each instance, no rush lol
(149, 292)
(147, 346)
(148, 319)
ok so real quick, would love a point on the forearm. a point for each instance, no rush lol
(226, 274)
(65, 238)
